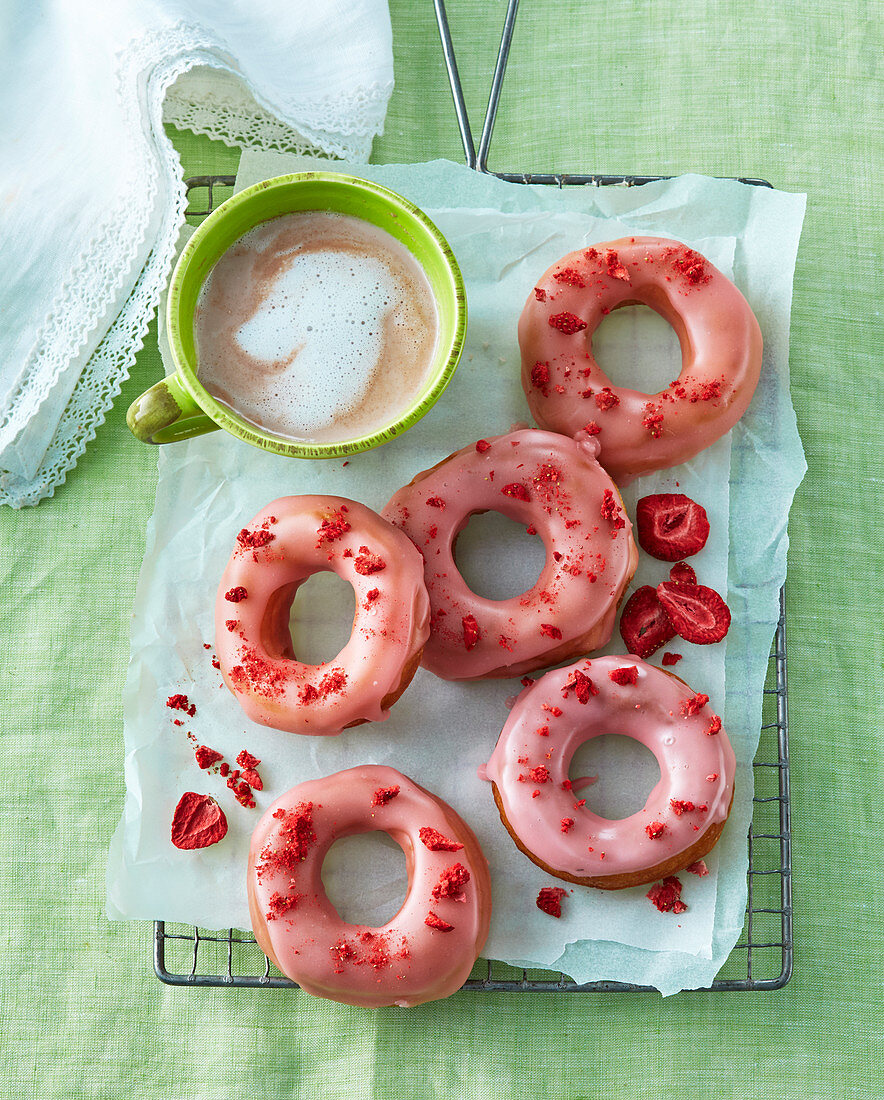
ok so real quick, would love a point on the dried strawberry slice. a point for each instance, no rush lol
(198, 821)
(671, 526)
(697, 613)
(644, 624)
(682, 573)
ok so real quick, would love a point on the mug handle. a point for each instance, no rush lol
(166, 413)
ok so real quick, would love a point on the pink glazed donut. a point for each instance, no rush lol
(553, 485)
(287, 542)
(639, 432)
(685, 812)
(427, 950)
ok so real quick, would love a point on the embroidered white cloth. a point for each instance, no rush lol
(91, 196)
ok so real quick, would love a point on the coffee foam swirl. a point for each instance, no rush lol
(316, 326)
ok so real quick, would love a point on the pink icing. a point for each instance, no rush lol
(695, 768)
(639, 432)
(553, 485)
(287, 542)
(405, 962)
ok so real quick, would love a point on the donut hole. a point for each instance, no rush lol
(624, 773)
(366, 878)
(496, 556)
(320, 618)
(637, 349)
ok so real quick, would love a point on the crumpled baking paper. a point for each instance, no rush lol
(504, 236)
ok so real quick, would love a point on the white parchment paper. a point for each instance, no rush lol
(504, 237)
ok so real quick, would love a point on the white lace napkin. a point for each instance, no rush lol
(91, 197)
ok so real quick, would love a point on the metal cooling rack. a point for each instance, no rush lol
(762, 958)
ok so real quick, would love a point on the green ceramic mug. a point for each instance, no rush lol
(179, 407)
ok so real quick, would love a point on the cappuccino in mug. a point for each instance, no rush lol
(316, 326)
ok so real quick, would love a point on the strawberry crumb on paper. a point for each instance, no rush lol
(549, 900)
(666, 895)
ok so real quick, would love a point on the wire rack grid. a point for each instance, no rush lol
(763, 956)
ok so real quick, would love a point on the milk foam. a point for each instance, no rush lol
(322, 322)
(316, 326)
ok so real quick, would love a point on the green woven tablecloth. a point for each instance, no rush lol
(788, 92)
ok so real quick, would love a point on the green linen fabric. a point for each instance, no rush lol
(789, 92)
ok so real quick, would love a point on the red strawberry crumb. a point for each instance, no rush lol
(482, 446)
(242, 792)
(540, 377)
(181, 702)
(653, 423)
(231, 624)
(539, 774)
(246, 760)
(582, 685)
(671, 658)
(372, 595)
(550, 631)
(333, 527)
(610, 510)
(254, 539)
(671, 526)
(250, 776)
(451, 883)
(712, 777)
(516, 491)
(436, 842)
(436, 922)
(224, 770)
(542, 731)
(198, 822)
(540, 294)
(570, 276)
(368, 563)
(666, 895)
(206, 757)
(567, 784)
(692, 267)
(435, 502)
(556, 712)
(566, 323)
(470, 631)
(234, 595)
(567, 824)
(623, 676)
(694, 705)
(549, 900)
(679, 806)
(592, 428)
(606, 399)
(655, 829)
(616, 270)
(308, 694)
(714, 726)
(383, 795)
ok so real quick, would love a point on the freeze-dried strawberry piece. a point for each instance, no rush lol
(644, 624)
(671, 526)
(682, 573)
(697, 613)
(549, 900)
(198, 822)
